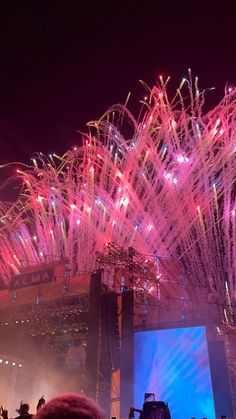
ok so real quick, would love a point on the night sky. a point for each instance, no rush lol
(64, 63)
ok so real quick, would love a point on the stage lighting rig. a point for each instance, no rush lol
(140, 272)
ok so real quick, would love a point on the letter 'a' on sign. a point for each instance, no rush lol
(32, 278)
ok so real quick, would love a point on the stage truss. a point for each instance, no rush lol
(165, 292)
(60, 323)
(166, 295)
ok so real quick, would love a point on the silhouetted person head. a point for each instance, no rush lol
(24, 408)
(70, 406)
(24, 411)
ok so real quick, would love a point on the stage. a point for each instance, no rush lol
(117, 334)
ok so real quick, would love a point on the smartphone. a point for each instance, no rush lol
(149, 397)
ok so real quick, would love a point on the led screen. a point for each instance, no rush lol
(174, 364)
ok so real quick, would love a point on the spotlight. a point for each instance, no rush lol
(20, 365)
(6, 362)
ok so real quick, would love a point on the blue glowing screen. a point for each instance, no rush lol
(174, 364)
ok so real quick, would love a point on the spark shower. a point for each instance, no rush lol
(164, 184)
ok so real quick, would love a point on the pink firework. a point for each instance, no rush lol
(164, 184)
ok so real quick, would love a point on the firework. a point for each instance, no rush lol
(164, 184)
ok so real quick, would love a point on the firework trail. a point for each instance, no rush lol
(165, 184)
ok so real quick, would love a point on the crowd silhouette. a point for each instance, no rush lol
(64, 406)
